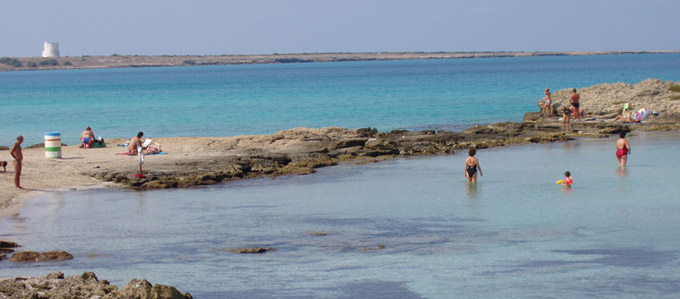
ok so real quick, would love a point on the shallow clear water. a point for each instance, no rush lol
(262, 99)
(515, 234)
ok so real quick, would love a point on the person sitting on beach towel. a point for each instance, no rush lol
(625, 115)
(135, 142)
(87, 138)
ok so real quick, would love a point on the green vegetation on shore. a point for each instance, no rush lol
(10, 61)
(675, 88)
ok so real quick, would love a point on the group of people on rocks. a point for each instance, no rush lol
(573, 110)
(568, 112)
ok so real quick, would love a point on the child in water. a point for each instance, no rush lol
(567, 179)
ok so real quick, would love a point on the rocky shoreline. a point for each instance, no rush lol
(300, 151)
(86, 285)
(124, 61)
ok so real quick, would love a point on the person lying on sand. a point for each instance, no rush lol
(147, 146)
(151, 147)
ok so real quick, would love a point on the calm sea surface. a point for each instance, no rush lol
(515, 235)
(407, 228)
(263, 99)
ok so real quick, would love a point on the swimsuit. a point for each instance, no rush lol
(575, 105)
(568, 181)
(621, 152)
(471, 170)
(86, 140)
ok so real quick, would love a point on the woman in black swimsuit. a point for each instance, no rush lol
(471, 166)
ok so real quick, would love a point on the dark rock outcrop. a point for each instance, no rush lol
(8, 244)
(251, 250)
(32, 256)
(86, 285)
(7, 247)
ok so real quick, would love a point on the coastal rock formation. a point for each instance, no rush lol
(606, 100)
(8, 244)
(143, 289)
(7, 247)
(86, 285)
(211, 160)
(32, 256)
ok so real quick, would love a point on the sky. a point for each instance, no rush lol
(216, 27)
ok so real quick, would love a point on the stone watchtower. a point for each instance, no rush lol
(50, 50)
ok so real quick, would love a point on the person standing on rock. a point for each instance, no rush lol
(622, 149)
(574, 100)
(18, 156)
(471, 166)
(566, 115)
(135, 148)
(547, 105)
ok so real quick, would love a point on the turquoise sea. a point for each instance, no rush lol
(405, 228)
(263, 99)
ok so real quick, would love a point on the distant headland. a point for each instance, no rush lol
(123, 61)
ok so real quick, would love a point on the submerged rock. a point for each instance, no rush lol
(32, 256)
(251, 250)
(7, 247)
(8, 244)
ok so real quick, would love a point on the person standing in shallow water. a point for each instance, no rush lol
(622, 149)
(18, 156)
(472, 166)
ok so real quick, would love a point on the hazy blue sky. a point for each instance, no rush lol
(207, 27)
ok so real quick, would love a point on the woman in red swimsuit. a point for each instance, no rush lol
(622, 149)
